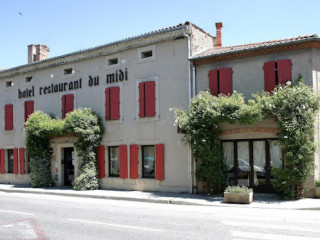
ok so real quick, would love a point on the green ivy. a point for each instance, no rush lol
(89, 129)
(293, 107)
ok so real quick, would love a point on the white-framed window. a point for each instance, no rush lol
(114, 161)
(9, 84)
(146, 109)
(113, 61)
(146, 54)
(28, 79)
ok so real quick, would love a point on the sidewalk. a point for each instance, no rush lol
(266, 201)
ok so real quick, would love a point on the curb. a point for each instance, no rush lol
(131, 199)
(150, 200)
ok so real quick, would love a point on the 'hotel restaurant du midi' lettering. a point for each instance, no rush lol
(117, 76)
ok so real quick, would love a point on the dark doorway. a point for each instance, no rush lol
(68, 166)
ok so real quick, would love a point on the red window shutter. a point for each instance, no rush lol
(15, 160)
(107, 106)
(28, 109)
(8, 116)
(63, 106)
(269, 76)
(101, 162)
(134, 163)
(141, 100)
(69, 103)
(213, 82)
(225, 80)
(115, 103)
(2, 161)
(150, 99)
(160, 162)
(123, 161)
(21, 156)
(284, 71)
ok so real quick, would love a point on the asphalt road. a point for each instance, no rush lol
(32, 216)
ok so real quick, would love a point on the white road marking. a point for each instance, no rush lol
(116, 225)
(24, 213)
(269, 226)
(273, 219)
(265, 236)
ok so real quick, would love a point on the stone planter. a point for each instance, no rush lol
(317, 191)
(238, 197)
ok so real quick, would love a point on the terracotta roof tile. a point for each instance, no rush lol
(243, 47)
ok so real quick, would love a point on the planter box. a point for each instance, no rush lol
(317, 191)
(238, 197)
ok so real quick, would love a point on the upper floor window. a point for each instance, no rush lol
(67, 104)
(9, 84)
(112, 104)
(276, 73)
(220, 81)
(112, 61)
(68, 71)
(8, 115)
(147, 99)
(28, 79)
(146, 54)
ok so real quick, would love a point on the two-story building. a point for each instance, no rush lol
(132, 84)
(251, 151)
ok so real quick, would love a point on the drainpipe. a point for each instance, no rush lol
(190, 177)
(194, 186)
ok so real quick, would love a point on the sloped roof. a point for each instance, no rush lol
(73, 56)
(252, 46)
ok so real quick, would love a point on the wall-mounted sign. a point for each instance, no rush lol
(114, 77)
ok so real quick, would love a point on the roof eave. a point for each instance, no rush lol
(257, 50)
(88, 50)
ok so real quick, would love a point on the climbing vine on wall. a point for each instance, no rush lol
(89, 129)
(293, 107)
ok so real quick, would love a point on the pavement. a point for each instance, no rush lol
(260, 200)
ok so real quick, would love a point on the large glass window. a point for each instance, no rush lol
(243, 163)
(10, 160)
(148, 162)
(114, 161)
(259, 163)
(250, 162)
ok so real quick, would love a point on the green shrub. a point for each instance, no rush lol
(238, 189)
(292, 107)
(89, 129)
(317, 183)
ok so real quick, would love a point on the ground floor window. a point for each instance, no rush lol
(148, 161)
(10, 160)
(114, 161)
(250, 162)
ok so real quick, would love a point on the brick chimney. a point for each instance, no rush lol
(218, 35)
(37, 52)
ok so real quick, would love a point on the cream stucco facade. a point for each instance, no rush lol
(84, 75)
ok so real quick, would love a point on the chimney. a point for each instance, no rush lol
(218, 35)
(37, 52)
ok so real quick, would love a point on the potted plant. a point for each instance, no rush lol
(238, 194)
(317, 188)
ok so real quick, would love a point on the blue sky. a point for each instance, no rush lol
(70, 25)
